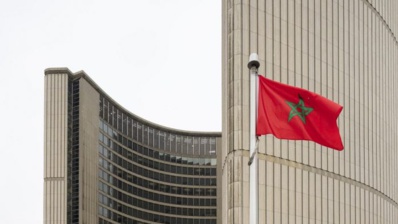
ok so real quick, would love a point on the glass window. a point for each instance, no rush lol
(212, 146)
(114, 117)
(178, 140)
(128, 124)
(156, 154)
(106, 111)
(203, 145)
(161, 140)
(156, 138)
(173, 158)
(139, 132)
(124, 124)
(105, 128)
(171, 143)
(111, 132)
(134, 129)
(195, 146)
(150, 137)
(167, 157)
(188, 146)
(145, 134)
(178, 159)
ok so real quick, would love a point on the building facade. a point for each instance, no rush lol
(103, 164)
(345, 50)
(106, 165)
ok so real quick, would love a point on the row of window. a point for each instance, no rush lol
(182, 211)
(154, 153)
(103, 221)
(180, 190)
(137, 170)
(169, 210)
(129, 156)
(155, 186)
(119, 218)
(181, 199)
(154, 138)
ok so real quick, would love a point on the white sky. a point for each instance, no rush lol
(160, 59)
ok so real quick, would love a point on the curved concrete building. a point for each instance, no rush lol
(345, 50)
(106, 165)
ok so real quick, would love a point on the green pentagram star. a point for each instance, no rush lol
(299, 110)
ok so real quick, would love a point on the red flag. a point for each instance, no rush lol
(293, 113)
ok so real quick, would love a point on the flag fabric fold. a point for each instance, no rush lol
(292, 113)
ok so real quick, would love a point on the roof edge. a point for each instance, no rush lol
(58, 70)
(82, 74)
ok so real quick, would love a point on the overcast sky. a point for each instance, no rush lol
(160, 59)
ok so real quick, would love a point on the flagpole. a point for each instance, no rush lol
(253, 65)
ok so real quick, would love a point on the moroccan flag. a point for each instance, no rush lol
(293, 113)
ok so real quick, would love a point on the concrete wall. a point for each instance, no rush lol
(55, 147)
(89, 132)
(345, 50)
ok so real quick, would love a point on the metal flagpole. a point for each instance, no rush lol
(253, 65)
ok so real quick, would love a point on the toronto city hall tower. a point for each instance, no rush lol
(104, 164)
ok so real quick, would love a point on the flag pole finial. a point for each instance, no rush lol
(253, 61)
(253, 66)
